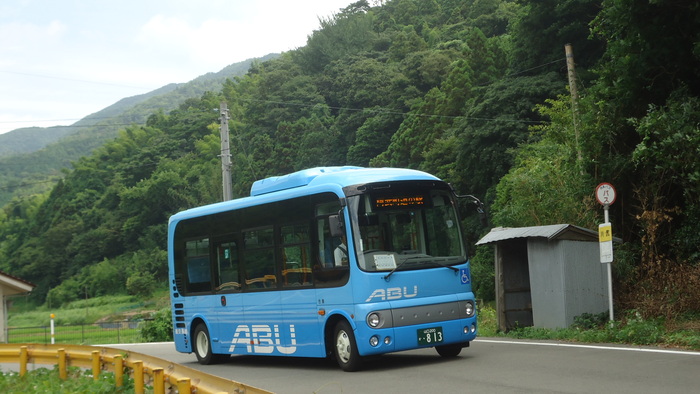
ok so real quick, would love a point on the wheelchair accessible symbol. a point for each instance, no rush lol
(464, 276)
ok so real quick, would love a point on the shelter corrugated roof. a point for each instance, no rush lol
(551, 232)
(14, 284)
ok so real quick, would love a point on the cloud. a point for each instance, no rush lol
(64, 60)
(248, 30)
(18, 36)
(207, 45)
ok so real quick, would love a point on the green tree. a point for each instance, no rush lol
(141, 284)
(495, 123)
(539, 35)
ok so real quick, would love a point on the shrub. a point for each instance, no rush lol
(482, 270)
(488, 324)
(588, 321)
(141, 284)
(639, 331)
(64, 293)
(160, 328)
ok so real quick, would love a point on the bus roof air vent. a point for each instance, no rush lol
(295, 179)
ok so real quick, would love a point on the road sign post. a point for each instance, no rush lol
(606, 195)
(605, 240)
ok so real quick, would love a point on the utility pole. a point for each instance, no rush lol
(225, 153)
(574, 101)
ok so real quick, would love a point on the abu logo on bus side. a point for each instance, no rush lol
(392, 293)
(262, 338)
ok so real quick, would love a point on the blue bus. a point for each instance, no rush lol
(339, 262)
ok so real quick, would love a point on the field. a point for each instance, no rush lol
(100, 320)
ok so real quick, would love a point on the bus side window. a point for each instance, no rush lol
(326, 243)
(296, 265)
(326, 273)
(198, 265)
(259, 259)
(227, 264)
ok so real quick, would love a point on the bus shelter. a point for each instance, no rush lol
(547, 275)
(10, 286)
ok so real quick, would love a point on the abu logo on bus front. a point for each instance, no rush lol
(262, 338)
(392, 293)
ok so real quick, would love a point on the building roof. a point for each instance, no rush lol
(14, 284)
(551, 232)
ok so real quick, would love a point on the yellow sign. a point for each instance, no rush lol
(606, 243)
(605, 232)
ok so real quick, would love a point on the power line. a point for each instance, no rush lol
(536, 67)
(289, 103)
(34, 121)
(337, 108)
(26, 184)
(74, 79)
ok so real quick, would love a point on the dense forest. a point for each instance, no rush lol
(473, 91)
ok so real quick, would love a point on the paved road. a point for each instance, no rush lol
(488, 366)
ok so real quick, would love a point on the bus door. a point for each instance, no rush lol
(300, 326)
(258, 331)
(198, 276)
(228, 305)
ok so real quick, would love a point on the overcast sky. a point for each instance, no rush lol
(61, 60)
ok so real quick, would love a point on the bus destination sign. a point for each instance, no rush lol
(399, 202)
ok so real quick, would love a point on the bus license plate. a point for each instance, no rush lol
(430, 336)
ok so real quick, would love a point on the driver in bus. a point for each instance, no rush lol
(340, 253)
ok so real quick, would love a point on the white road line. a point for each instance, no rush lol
(599, 347)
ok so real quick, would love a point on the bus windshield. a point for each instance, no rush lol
(405, 226)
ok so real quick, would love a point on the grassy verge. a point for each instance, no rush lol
(104, 308)
(99, 320)
(632, 329)
(43, 380)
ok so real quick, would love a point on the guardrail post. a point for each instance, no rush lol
(164, 374)
(62, 368)
(23, 357)
(96, 365)
(118, 370)
(158, 381)
(138, 377)
(184, 386)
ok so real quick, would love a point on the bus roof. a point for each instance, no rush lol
(342, 176)
(274, 188)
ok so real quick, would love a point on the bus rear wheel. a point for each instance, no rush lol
(202, 347)
(345, 348)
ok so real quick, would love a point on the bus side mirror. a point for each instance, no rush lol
(483, 218)
(336, 225)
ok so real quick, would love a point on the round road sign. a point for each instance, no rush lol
(605, 193)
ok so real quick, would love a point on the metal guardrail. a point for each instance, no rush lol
(161, 374)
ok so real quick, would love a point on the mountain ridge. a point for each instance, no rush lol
(32, 160)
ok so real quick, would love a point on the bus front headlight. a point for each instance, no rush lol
(469, 308)
(374, 319)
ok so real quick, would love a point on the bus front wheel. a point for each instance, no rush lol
(449, 351)
(345, 348)
(202, 347)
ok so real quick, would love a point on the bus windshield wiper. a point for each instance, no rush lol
(441, 264)
(386, 278)
(436, 261)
